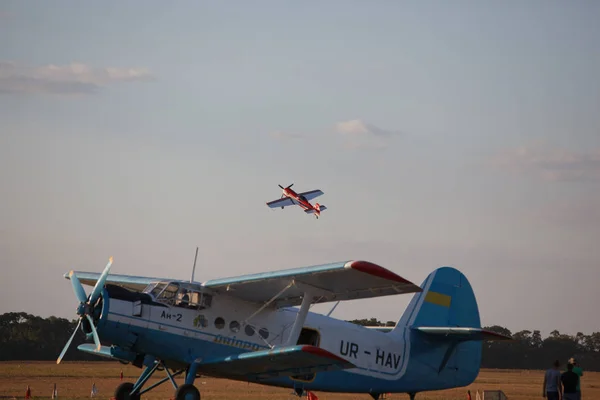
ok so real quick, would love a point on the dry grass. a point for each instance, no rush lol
(74, 381)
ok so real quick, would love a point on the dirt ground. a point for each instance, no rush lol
(74, 381)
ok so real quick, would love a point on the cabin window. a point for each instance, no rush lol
(200, 321)
(264, 333)
(189, 298)
(219, 323)
(249, 329)
(234, 326)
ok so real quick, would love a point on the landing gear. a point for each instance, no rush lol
(133, 391)
(187, 392)
(412, 396)
(122, 392)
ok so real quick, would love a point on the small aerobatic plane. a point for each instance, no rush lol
(248, 329)
(290, 198)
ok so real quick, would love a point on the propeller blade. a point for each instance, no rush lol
(281, 186)
(77, 287)
(290, 186)
(98, 287)
(68, 343)
(96, 338)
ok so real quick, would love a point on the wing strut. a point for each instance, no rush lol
(267, 303)
(330, 311)
(300, 318)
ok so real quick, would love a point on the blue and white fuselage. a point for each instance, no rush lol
(220, 329)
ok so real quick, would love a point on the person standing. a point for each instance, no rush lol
(552, 383)
(569, 381)
(577, 369)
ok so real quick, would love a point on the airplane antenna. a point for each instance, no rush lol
(194, 268)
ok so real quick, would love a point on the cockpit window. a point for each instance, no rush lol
(179, 294)
(169, 292)
(157, 289)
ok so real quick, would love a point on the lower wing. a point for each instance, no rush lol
(284, 202)
(282, 361)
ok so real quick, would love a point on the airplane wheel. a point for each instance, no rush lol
(122, 392)
(187, 392)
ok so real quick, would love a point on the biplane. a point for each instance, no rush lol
(258, 328)
(290, 198)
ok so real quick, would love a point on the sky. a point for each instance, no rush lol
(461, 133)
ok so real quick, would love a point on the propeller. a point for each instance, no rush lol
(286, 187)
(86, 305)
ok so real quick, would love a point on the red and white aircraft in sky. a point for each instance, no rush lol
(290, 198)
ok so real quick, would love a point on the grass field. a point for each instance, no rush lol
(74, 381)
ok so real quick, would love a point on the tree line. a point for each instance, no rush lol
(28, 337)
(528, 349)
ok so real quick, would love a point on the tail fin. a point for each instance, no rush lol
(447, 300)
(443, 330)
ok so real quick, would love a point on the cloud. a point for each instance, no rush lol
(71, 79)
(358, 134)
(552, 164)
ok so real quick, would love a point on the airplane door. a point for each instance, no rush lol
(310, 337)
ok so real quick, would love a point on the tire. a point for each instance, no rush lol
(122, 392)
(187, 392)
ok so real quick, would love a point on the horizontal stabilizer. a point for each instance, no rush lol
(384, 329)
(461, 333)
(283, 361)
(311, 211)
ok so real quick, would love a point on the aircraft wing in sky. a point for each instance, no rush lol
(311, 194)
(284, 202)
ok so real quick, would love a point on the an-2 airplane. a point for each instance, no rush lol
(290, 198)
(247, 329)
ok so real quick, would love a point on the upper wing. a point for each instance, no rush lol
(282, 361)
(284, 202)
(136, 283)
(311, 194)
(348, 280)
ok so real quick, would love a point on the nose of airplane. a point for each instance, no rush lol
(88, 306)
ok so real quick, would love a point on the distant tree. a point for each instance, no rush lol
(28, 337)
